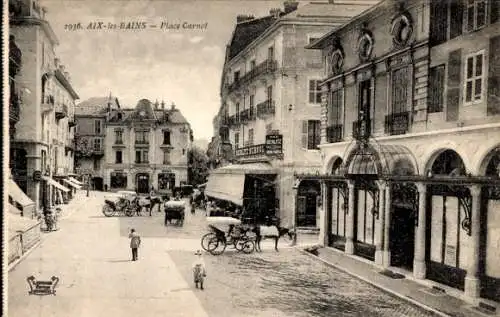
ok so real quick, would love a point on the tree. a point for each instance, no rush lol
(197, 166)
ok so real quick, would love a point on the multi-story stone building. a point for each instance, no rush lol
(410, 135)
(269, 117)
(134, 149)
(41, 148)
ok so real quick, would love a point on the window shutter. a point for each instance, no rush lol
(317, 133)
(304, 134)
(493, 100)
(439, 22)
(453, 97)
(494, 11)
(457, 18)
(436, 88)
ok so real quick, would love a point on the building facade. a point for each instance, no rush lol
(42, 147)
(410, 135)
(271, 106)
(133, 149)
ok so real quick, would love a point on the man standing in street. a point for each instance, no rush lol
(135, 242)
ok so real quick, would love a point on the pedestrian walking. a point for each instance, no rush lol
(135, 242)
(199, 270)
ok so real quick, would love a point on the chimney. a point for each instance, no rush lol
(291, 6)
(275, 12)
(242, 18)
(172, 107)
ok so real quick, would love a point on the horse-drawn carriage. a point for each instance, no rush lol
(174, 210)
(226, 231)
(128, 203)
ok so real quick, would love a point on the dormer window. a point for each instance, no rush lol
(166, 137)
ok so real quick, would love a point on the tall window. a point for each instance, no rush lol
(97, 164)
(97, 126)
(252, 97)
(400, 83)
(97, 144)
(166, 137)
(270, 53)
(269, 93)
(250, 136)
(314, 91)
(474, 77)
(237, 110)
(119, 157)
(118, 137)
(252, 64)
(436, 88)
(335, 108)
(141, 156)
(311, 134)
(141, 137)
(236, 140)
(166, 158)
(476, 14)
(236, 76)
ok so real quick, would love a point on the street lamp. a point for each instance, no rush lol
(88, 185)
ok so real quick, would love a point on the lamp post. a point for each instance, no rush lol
(88, 185)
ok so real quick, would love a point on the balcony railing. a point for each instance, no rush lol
(234, 120)
(266, 67)
(334, 133)
(224, 121)
(361, 129)
(247, 115)
(397, 123)
(61, 111)
(265, 108)
(15, 106)
(141, 142)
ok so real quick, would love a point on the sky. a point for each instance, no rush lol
(180, 66)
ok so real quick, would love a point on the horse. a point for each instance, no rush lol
(274, 232)
(149, 203)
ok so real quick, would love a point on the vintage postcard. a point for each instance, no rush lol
(262, 158)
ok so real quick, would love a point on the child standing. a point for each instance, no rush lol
(199, 271)
(135, 242)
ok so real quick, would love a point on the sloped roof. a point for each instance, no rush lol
(245, 32)
(96, 106)
(143, 110)
(328, 10)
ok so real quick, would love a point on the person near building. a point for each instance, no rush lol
(135, 242)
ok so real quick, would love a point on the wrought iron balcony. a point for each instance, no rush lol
(234, 120)
(224, 121)
(334, 133)
(265, 108)
(141, 142)
(397, 123)
(224, 130)
(61, 111)
(361, 129)
(234, 85)
(14, 106)
(266, 67)
(247, 115)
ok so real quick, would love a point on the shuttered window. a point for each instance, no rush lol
(400, 82)
(493, 104)
(436, 88)
(476, 14)
(438, 22)
(236, 140)
(453, 85)
(311, 134)
(474, 74)
(335, 107)
(314, 91)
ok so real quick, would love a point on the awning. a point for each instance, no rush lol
(72, 184)
(228, 182)
(52, 182)
(74, 180)
(226, 187)
(18, 195)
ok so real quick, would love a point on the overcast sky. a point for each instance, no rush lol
(181, 66)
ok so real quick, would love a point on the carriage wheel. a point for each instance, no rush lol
(216, 246)
(248, 246)
(108, 211)
(206, 239)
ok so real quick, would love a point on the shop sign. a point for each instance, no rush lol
(274, 144)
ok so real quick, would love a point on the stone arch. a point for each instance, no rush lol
(331, 164)
(435, 149)
(446, 161)
(491, 156)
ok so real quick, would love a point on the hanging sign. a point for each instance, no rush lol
(274, 144)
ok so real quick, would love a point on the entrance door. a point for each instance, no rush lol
(402, 237)
(98, 183)
(143, 183)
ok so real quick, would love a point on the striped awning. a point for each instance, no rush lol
(226, 187)
(72, 184)
(18, 195)
(52, 182)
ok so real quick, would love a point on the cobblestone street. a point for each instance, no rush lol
(91, 256)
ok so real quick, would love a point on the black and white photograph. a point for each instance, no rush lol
(251, 158)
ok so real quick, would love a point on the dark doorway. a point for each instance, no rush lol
(143, 183)
(402, 233)
(98, 183)
(307, 199)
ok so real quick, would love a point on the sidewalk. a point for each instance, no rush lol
(438, 302)
(92, 259)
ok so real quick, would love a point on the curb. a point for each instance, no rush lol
(383, 288)
(16, 262)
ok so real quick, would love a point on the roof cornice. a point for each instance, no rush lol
(64, 81)
(37, 21)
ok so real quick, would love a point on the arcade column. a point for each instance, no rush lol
(379, 243)
(349, 244)
(419, 266)
(472, 281)
(386, 253)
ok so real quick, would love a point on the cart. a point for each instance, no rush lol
(226, 231)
